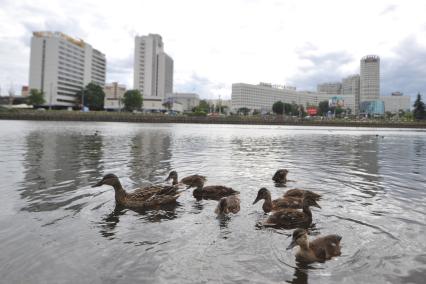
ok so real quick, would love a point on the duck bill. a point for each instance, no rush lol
(292, 245)
(316, 205)
(257, 199)
(98, 184)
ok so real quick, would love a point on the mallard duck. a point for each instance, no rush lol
(291, 218)
(228, 204)
(186, 180)
(276, 204)
(280, 176)
(211, 191)
(299, 193)
(144, 197)
(320, 249)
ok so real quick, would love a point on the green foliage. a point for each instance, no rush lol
(92, 96)
(419, 111)
(287, 108)
(132, 100)
(168, 105)
(323, 108)
(36, 97)
(278, 107)
(243, 110)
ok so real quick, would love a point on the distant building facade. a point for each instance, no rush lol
(114, 94)
(153, 69)
(351, 86)
(25, 91)
(187, 100)
(394, 103)
(370, 78)
(60, 66)
(333, 88)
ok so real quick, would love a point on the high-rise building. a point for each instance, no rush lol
(370, 78)
(60, 66)
(114, 93)
(331, 88)
(153, 68)
(350, 86)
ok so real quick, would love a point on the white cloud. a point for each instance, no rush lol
(216, 43)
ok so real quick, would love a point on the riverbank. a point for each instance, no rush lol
(159, 118)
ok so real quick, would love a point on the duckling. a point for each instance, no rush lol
(211, 191)
(186, 180)
(299, 193)
(143, 197)
(276, 204)
(291, 218)
(228, 204)
(280, 176)
(320, 249)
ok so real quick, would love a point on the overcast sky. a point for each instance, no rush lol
(215, 43)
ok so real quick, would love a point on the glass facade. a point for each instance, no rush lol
(373, 107)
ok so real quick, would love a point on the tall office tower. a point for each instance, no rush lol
(153, 68)
(370, 78)
(350, 86)
(60, 66)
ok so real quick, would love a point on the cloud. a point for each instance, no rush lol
(202, 86)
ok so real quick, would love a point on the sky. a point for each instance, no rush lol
(215, 43)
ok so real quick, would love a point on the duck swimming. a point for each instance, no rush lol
(276, 204)
(144, 197)
(186, 180)
(320, 249)
(228, 204)
(299, 193)
(211, 191)
(280, 176)
(292, 218)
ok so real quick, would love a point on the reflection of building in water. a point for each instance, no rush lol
(54, 165)
(150, 154)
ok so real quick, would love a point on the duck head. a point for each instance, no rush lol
(222, 206)
(172, 175)
(109, 179)
(197, 182)
(300, 238)
(263, 193)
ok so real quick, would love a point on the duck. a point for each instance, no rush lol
(211, 191)
(228, 204)
(150, 196)
(280, 176)
(318, 250)
(276, 204)
(299, 193)
(186, 180)
(291, 218)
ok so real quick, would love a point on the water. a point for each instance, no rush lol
(55, 228)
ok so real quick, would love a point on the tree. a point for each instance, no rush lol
(294, 109)
(244, 110)
(287, 108)
(323, 107)
(419, 111)
(278, 107)
(168, 104)
(92, 96)
(36, 97)
(132, 100)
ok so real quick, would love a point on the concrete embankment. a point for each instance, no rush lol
(145, 118)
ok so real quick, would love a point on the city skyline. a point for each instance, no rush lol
(215, 44)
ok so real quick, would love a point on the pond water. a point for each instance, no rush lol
(56, 228)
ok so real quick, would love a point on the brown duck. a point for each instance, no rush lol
(211, 191)
(144, 197)
(228, 204)
(292, 218)
(280, 176)
(276, 204)
(299, 193)
(320, 249)
(186, 180)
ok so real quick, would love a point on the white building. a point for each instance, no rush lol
(187, 100)
(114, 94)
(333, 88)
(153, 70)
(261, 97)
(396, 102)
(60, 66)
(350, 86)
(370, 78)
